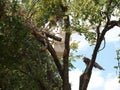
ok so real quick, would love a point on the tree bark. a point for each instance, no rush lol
(85, 77)
(56, 60)
(66, 84)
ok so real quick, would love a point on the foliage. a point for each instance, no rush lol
(93, 18)
(88, 15)
(118, 66)
(21, 58)
(42, 14)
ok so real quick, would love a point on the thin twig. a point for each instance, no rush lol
(103, 46)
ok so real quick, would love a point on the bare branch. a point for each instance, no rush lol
(96, 65)
(103, 46)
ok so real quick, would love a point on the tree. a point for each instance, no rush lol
(27, 30)
(101, 18)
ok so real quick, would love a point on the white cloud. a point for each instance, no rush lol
(112, 35)
(112, 84)
(74, 79)
(97, 82)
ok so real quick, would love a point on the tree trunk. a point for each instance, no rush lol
(66, 85)
(85, 77)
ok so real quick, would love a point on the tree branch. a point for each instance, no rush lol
(66, 84)
(52, 36)
(41, 33)
(56, 60)
(85, 77)
(113, 23)
(41, 37)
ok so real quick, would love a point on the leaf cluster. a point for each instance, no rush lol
(87, 15)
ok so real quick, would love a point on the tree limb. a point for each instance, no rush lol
(66, 84)
(85, 77)
(56, 60)
(41, 33)
(41, 37)
(113, 23)
(52, 36)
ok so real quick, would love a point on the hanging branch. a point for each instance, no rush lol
(103, 45)
(98, 35)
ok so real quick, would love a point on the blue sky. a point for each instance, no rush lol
(101, 80)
